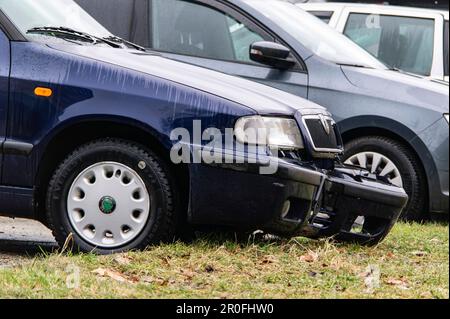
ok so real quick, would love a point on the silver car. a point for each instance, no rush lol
(411, 39)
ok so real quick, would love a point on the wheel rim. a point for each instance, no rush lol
(108, 205)
(379, 164)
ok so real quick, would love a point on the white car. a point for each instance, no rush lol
(410, 39)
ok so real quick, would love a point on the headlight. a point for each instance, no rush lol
(271, 131)
(446, 117)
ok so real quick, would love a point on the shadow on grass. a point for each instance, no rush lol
(217, 238)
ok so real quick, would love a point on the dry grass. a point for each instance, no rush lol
(412, 263)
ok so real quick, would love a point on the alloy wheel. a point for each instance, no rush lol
(379, 164)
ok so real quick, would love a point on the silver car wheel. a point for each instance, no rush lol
(108, 205)
(379, 164)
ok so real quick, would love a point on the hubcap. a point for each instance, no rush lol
(379, 164)
(108, 205)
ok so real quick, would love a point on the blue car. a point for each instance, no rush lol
(393, 124)
(117, 148)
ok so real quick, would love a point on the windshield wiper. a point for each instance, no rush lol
(68, 32)
(354, 65)
(117, 39)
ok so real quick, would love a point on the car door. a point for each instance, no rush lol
(409, 40)
(4, 88)
(213, 35)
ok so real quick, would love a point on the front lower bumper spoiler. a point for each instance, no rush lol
(356, 206)
(296, 200)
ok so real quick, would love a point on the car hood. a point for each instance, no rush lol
(262, 99)
(400, 87)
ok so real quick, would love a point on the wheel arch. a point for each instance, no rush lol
(379, 126)
(67, 137)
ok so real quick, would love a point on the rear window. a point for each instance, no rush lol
(405, 43)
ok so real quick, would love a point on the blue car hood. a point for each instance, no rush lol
(401, 87)
(262, 99)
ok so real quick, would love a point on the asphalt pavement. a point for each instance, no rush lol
(21, 239)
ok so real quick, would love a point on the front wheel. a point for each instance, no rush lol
(393, 160)
(111, 196)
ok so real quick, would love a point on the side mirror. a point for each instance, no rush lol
(272, 54)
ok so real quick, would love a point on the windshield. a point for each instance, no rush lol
(315, 35)
(28, 14)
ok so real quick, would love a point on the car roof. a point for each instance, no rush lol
(400, 9)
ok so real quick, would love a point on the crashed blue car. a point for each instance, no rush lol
(117, 148)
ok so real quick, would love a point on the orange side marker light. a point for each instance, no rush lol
(44, 92)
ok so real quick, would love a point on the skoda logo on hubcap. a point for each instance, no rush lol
(107, 205)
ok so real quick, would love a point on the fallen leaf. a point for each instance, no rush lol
(152, 280)
(268, 260)
(310, 257)
(115, 275)
(188, 274)
(390, 255)
(166, 260)
(123, 260)
(400, 283)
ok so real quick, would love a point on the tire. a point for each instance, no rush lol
(409, 167)
(127, 161)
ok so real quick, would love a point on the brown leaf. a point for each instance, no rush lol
(134, 278)
(123, 260)
(310, 257)
(268, 260)
(390, 255)
(166, 260)
(188, 274)
(400, 283)
(152, 280)
(115, 275)
(147, 279)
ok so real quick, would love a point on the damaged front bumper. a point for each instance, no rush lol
(349, 204)
(356, 206)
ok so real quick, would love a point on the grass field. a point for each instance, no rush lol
(412, 263)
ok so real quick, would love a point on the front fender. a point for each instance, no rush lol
(86, 90)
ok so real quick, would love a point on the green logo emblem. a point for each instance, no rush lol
(107, 205)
